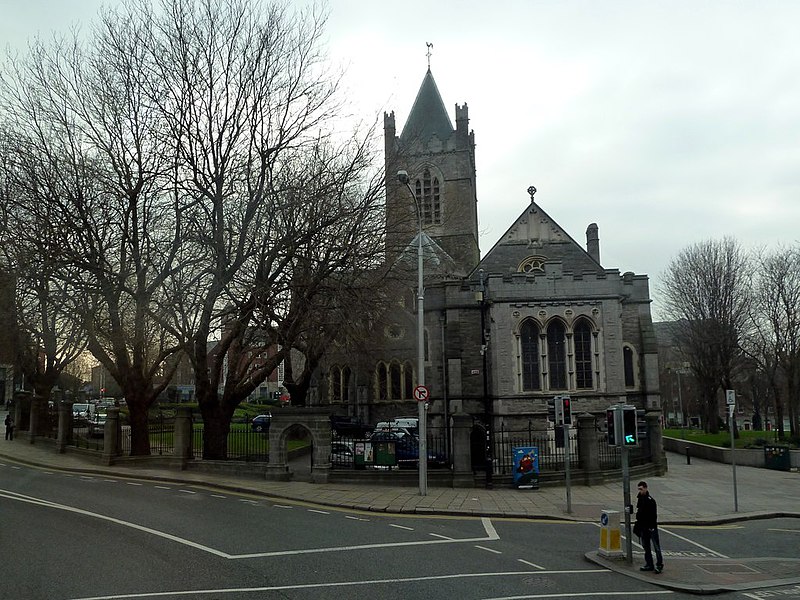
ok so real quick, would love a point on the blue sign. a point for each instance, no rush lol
(526, 466)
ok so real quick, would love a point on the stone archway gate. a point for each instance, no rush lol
(318, 424)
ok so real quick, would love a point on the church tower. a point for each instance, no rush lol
(440, 162)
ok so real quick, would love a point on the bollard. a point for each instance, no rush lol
(688, 456)
(610, 534)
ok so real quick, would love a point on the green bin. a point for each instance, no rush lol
(385, 454)
(778, 458)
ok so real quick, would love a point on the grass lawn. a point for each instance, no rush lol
(746, 439)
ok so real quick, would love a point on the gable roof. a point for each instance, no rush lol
(428, 116)
(437, 263)
(536, 234)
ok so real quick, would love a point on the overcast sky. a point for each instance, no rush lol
(666, 123)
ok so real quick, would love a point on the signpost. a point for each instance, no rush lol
(730, 400)
(623, 431)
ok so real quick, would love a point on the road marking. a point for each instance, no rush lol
(491, 533)
(163, 487)
(530, 564)
(282, 506)
(336, 584)
(440, 536)
(133, 483)
(788, 530)
(401, 527)
(218, 496)
(352, 518)
(187, 492)
(16, 468)
(87, 478)
(110, 480)
(582, 595)
(680, 537)
(319, 512)
(488, 549)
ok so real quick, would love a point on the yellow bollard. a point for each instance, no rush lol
(610, 537)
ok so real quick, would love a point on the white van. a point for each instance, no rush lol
(408, 425)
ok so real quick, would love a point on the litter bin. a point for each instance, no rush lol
(385, 454)
(777, 457)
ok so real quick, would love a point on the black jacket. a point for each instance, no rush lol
(646, 511)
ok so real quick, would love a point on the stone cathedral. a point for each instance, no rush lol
(537, 316)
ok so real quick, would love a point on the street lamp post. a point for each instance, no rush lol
(402, 177)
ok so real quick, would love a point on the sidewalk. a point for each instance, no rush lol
(698, 493)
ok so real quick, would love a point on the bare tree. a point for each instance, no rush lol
(775, 338)
(48, 338)
(706, 295)
(84, 105)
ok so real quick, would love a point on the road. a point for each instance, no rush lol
(71, 537)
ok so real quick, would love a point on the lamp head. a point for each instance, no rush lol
(402, 177)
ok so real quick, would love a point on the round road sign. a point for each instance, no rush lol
(421, 393)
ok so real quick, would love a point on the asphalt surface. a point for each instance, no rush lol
(700, 493)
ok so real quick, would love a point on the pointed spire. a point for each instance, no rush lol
(428, 115)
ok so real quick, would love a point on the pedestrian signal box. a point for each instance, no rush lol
(622, 425)
(551, 410)
(611, 427)
(630, 428)
(566, 409)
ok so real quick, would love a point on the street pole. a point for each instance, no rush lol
(626, 498)
(733, 459)
(402, 177)
(566, 468)
(487, 403)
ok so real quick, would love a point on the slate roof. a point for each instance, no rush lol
(437, 263)
(428, 116)
(535, 233)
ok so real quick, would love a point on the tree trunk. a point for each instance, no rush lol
(140, 434)
(216, 427)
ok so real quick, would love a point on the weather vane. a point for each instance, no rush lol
(531, 191)
(429, 45)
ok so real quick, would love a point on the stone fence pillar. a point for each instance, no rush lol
(22, 410)
(64, 437)
(111, 432)
(655, 440)
(588, 452)
(183, 433)
(462, 458)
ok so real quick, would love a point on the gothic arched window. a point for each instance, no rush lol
(408, 380)
(557, 355)
(529, 354)
(582, 336)
(382, 380)
(429, 197)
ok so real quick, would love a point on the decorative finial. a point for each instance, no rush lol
(429, 45)
(531, 192)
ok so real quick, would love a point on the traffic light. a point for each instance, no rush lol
(630, 432)
(611, 416)
(551, 410)
(566, 410)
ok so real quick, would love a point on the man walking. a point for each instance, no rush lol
(9, 423)
(647, 525)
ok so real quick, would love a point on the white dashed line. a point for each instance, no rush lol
(319, 512)
(352, 518)
(218, 496)
(110, 480)
(187, 492)
(17, 468)
(401, 527)
(530, 564)
(133, 483)
(489, 549)
(163, 487)
(444, 537)
(282, 506)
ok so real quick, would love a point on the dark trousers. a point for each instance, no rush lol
(651, 536)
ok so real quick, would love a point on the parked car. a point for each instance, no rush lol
(349, 427)
(82, 412)
(342, 454)
(260, 424)
(97, 424)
